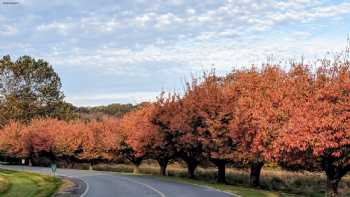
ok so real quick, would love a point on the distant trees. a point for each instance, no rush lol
(100, 112)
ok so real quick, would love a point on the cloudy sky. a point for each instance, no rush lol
(129, 50)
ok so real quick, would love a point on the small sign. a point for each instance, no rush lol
(23, 161)
(53, 168)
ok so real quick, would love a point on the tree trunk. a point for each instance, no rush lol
(136, 169)
(334, 174)
(191, 167)
(137, 163)
(255, 170)
(91, 166)
(221, 165)
(332, 187)
(163, 163)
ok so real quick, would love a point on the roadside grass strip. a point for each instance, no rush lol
(25, 184)
(4, 184)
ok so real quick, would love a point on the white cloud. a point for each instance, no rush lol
(61, 27)
(143, 20)
(177, 2)
(250, 15)
(158, 20)
(85, 24)
(198, 54)
(8, 30)
(98, 24)
(191, 11)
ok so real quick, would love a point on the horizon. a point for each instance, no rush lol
(128, 52)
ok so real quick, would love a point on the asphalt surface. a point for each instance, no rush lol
(108, 184)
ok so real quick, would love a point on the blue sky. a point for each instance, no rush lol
(130, 50)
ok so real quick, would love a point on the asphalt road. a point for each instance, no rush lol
(108, 184)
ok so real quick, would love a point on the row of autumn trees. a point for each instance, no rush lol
(296, 117)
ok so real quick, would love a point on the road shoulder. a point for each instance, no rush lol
(71, 187)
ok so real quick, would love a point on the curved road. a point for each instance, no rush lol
(109, 184)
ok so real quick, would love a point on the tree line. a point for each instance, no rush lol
(30, 88)
(297, 117)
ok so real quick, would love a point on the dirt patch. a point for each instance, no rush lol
(66, 185)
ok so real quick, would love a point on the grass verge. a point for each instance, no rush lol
(25, 184)
(236, 190)
(274, 182)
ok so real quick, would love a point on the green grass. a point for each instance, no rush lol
(4, 184)
(25, 184)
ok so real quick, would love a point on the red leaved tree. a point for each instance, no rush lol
(138, 131)
(186, 124)
(259, 114)
(319, 129)
(161, 139)
(211, 100)
(68, 141)
(12, 142)
(101, 140)
(38, 139)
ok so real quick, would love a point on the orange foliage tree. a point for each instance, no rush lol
(100, 140)
(38, 139)
(68, 141)
(56, 140)
(259, 114)
(319, 129)
(34, 141)
(137, 131)
(185, 125)
(211, 100)
(12, 140)
(300, 89)
(161, 141)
